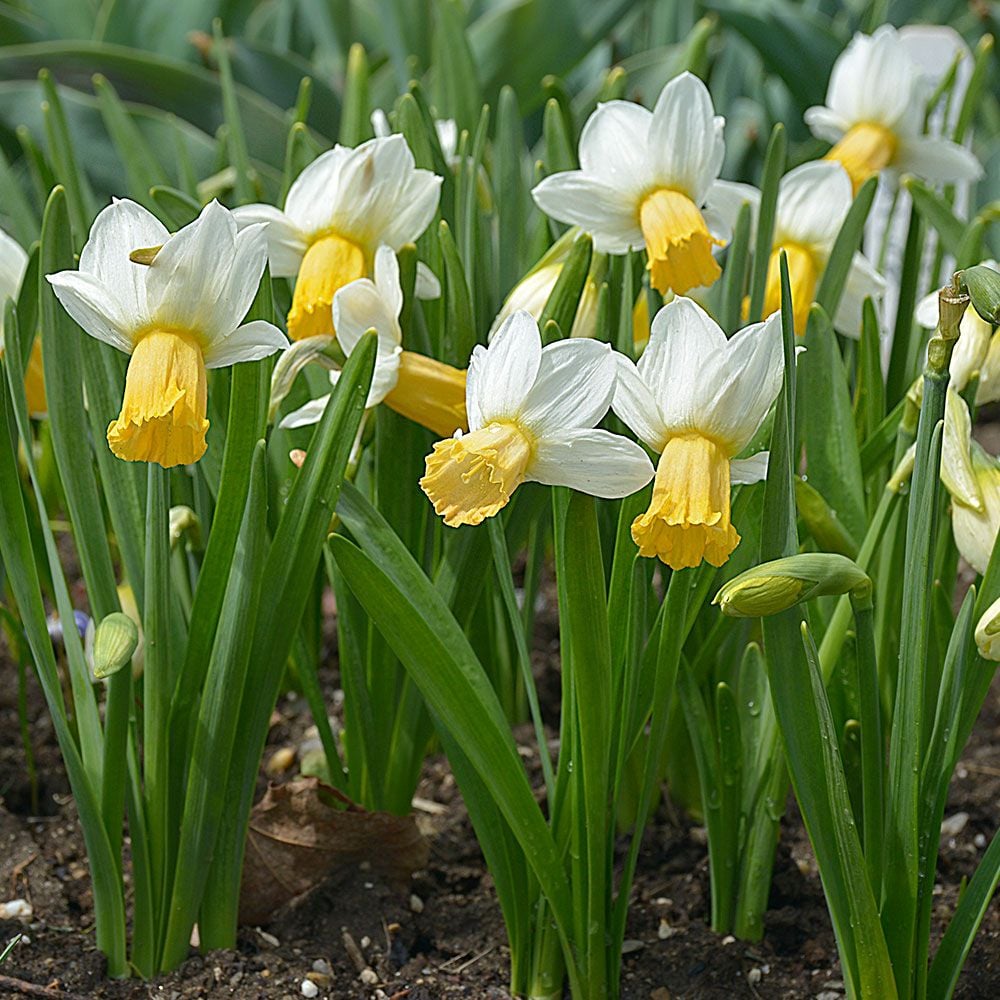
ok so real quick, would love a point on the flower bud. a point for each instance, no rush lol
(988, 633)
(183, 520)
(776, 586)
(115, 640)
(983, 285)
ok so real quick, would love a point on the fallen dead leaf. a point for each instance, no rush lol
(303, 831)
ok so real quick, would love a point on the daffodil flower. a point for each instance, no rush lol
(338, 211)
(418, 387)
(813, 201)
(13, 262)
(977, 351)
(697, 399)
(650, 179)
(874, 115)
(532, 416)
(972, 478)
(176, 318)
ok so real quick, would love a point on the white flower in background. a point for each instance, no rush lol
(874, 115)
(813, 201)
(532, 292)
(650, 179)
(13, 262)
(338, 211)
(425, 390)
(176, 317)
(697, 399)
(446, 129)
(975, 527)
(532, 412)
(977, 351)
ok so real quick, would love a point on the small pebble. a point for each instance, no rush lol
(309, 988)
(665, 930)
(366, 942)
(828, 995)
(952, 826)
(631, 945)
(368, 976)
(416, 903)
(322, 966)
(979, 840)
(269, 939)
(754, 976)
(728, 939)
(16, 909)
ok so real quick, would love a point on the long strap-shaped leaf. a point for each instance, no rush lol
(289, 574)
(425, 636)
(18, 559)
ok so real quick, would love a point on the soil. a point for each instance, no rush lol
(445, 937)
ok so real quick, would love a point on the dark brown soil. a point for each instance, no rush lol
(445, 938)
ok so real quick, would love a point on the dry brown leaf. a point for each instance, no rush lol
(296, 840)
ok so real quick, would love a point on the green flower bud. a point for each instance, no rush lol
(983, 286)
(779, 585)
(115, 640)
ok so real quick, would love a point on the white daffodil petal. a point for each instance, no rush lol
(188, 282)
(826, 124)
(387, 279)
(501, 375)
(635, 405)
(613, 146)
(746, 471)
(316, 191)
(13, 262)
(573, 387)
(119, 229)
(286, 244)
(427, 285)
(595, 462)
(722, 207)
(938, 160)
(957, 472)
(249, 257)
(685, 140)
(249, 342)
(685, 345)
(609, 215)
(813, 201)
(359, 307)
(751, 380)
(93, 307)
(874, 79)
(311, 413)
(975, 531)
(863, 281)
(926, 313)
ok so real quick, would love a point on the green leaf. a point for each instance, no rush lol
(833, 462)
(774, 167)
(425, 636)
(937, 212)
(455, 87)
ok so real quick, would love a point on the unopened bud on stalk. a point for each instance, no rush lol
(115, 640)
(988, 633)
(183, 520)
(983, 286)
(777, 586)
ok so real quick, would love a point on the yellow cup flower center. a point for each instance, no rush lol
(866, 149)
(34, 379)
(803, 277)
(166, 396)
(678, 243)
(330, 263)
(688, 518)
(472, 476)
(430, 393)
